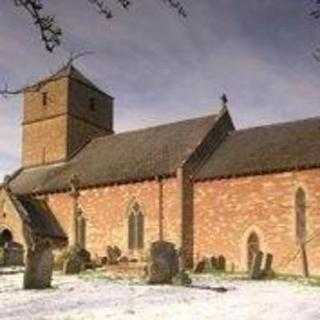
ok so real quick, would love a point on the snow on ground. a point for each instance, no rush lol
(94, 297)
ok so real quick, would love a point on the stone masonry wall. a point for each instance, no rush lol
(106, 212)
(227, 211)
(44, 141)
(44, 132)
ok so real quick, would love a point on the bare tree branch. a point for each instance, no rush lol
(124, 3)
(102, 8)
(315, 14)
(6, 91)
(177, 5)
(50, 32)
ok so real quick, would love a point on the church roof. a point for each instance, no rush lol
(123, 157)
(271, 148)
(38, 216)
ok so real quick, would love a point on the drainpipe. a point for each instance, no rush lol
(74, 193)
(160, 204)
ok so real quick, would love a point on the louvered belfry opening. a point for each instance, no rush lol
(136, 228)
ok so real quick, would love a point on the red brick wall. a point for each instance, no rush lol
(226, 211)
(10, 219)
(106, 210)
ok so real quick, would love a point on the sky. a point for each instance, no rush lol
(163, 68)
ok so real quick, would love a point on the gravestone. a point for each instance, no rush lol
(164, 263)
(39, 267)
(268, 265)
(200, 266)
(72, 265)
(255, 272)
(77, 259)
(221, 263)
(214, 263)
(14, 253)
(113, 254)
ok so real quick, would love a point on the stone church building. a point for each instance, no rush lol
(210, 189)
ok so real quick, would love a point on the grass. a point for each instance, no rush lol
(221, 275)
(98, 274)
(313, 280)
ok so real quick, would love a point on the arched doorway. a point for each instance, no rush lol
(253, 247)
(5, 236)
(11, 252)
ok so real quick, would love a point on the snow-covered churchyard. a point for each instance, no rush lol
(92, 295)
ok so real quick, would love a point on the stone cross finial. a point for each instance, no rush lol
(74, 185)
(224, 100)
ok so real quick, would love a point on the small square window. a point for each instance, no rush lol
(92, 104)
(44, 98)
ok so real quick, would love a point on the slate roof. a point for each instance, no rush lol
(265, 149)
(38, 216)
(124, 157)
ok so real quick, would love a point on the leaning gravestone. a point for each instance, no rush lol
(268, 265)
(39, 267)
(255, 272)
(200, 266)
(164, 263)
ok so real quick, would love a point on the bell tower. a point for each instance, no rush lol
(60, 115)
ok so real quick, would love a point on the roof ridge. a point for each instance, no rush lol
(71, 72)
(278, 124)
(153, 127)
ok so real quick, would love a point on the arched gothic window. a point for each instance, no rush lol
(300, 209)
(135, 227)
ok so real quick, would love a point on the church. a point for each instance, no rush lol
(205, 186)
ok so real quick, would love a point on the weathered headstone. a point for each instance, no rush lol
(221, 263)
(164, 264)
(124, 259)
(77, 259)
(14, 253)
(39, 267)
(214, 263)
(255, 272)
(72, 265)
(268, 265)
(200, 266)
(113, 254)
